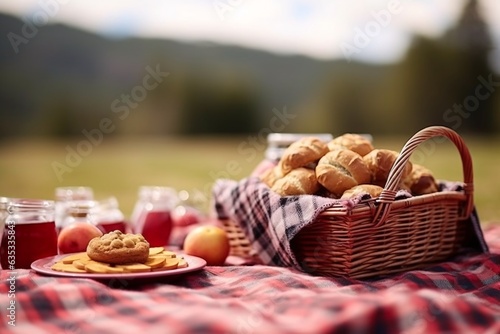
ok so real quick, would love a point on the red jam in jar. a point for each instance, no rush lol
(153, 214)
(29, 234)
(108, 217)
(157, 227)
(107, 227)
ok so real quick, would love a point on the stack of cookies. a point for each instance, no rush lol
(346, 166)
(117, 252)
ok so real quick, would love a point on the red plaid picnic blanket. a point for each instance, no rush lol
(462, 296)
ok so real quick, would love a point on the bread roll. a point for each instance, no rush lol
(323, 192)
(404, 186)
(270, 176)
(300, 181)
(421, 181)
(370, 189)
(301, 153)
(353, 142)
(380, 162)
(340, 170)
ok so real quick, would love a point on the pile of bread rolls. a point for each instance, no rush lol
(346, 166)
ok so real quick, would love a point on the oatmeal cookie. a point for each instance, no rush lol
(118, 248)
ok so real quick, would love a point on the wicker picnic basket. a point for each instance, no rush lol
(384, 235)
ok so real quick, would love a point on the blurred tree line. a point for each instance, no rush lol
(226, 90)
(445, 81)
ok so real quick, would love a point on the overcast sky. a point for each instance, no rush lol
(375, 30)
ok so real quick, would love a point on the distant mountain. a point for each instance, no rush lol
(59, 69)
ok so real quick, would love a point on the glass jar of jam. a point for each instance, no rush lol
(187, 214)
(4, 202)
(29, 234)
(64, 195)
(152, 216)
(105, 214)
(79, 211)
(277, 143)
(108, 217)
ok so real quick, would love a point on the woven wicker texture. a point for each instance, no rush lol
(388, 236)
(238, 242)
(384, 235)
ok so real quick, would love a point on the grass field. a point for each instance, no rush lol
(118, 167)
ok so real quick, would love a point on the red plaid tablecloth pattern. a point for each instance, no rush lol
(462, 296)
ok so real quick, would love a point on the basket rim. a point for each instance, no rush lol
(341, 209)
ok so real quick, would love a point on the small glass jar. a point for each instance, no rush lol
(74, 193)
(152, 216)
(29, 234)
(63, 195)
(4, 202)
(78, 211)
(108, 217)
(277, 143)
(187, 214)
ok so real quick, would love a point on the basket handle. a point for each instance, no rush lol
(388, 195)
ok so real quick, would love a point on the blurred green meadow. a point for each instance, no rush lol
(119, 166)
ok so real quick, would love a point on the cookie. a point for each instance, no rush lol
(161, 260)
(170, 263)
(66, 267)
(134, 267)
(76, 256)
(102, 268)
(118, 248)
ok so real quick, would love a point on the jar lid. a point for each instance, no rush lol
(80, 208)
(278, 142)
(28, 204)
(74, 193)
(285, 139)
(159, 194)
(4, 202)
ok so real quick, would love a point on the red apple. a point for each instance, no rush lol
(75, 237)
(209, 242)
